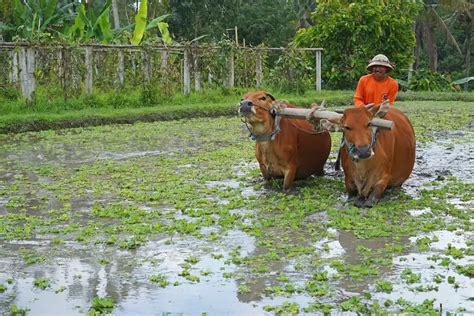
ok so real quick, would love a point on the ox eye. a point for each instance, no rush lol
(369, 124)
(347, 128)
(262, 98)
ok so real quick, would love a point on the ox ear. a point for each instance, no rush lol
(379, 110)
(270, 96)
(330, 125)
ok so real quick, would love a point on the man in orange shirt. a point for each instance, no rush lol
(378, 86)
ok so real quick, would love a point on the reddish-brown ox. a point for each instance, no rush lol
(375, 159)
(285, 148)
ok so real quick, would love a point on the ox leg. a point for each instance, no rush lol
(353, 193)
(264, 171)
(376, 193)
(351, 188)
(360, 201)
(289, 178)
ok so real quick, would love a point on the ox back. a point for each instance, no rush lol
(297, 144)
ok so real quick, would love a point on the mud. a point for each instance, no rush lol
(77, 275)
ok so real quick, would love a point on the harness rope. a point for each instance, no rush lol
(276, 127)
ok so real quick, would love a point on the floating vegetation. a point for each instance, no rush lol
(145, 217)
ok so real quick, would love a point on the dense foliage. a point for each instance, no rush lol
(352, 33)
(418, 35)
(271, 22)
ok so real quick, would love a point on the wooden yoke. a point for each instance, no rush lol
(298, 113)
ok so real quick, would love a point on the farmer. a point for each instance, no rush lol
(375, 88)
(378, 86)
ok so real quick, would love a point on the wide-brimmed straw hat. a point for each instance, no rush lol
(380, 60)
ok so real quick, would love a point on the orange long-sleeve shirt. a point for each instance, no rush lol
(370, 90)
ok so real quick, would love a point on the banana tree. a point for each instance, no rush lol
(142, 27)
(33, 19)
(91, 26)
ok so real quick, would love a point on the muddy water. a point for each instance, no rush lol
(77, 274)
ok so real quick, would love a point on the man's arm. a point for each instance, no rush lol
(359, 95)
(393, 91)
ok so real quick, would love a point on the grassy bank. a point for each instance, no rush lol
(131, 106)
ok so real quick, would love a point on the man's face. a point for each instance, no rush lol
(379, 72)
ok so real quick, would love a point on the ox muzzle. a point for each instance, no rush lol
(245, 107)
(359, 153)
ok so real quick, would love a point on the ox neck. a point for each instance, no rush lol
(272, 135)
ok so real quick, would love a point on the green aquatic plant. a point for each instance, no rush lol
(101, 306)
(159, 279)
(467, 270)
(18, 311)
(409, 276)
(41, 283)
(383, 286)
(287, 308)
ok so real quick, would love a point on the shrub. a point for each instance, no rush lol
(426, 80)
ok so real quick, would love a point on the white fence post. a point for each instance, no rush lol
(146, 67)
(89, 70)
(27, 73)
(318, 70)
(121, 68)
(197, 73)
(14, 67)
(231, 70)
(31, 65)
(258, 69)
(186, 73)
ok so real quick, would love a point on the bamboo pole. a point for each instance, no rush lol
(298, 113)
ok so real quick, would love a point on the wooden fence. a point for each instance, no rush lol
(23, 64)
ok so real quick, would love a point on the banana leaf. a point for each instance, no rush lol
(140, 24)
(165, 34)
(105, 27)
(463, 80)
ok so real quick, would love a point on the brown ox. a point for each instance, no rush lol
(374, 160)
(284, 147)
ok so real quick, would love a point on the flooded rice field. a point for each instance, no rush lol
(173, 217)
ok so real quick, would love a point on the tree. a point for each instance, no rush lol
(352, 32)
(273, 22)
(194, 18)
(303, 9)
(427, 23)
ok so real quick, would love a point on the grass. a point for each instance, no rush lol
(146, 105)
